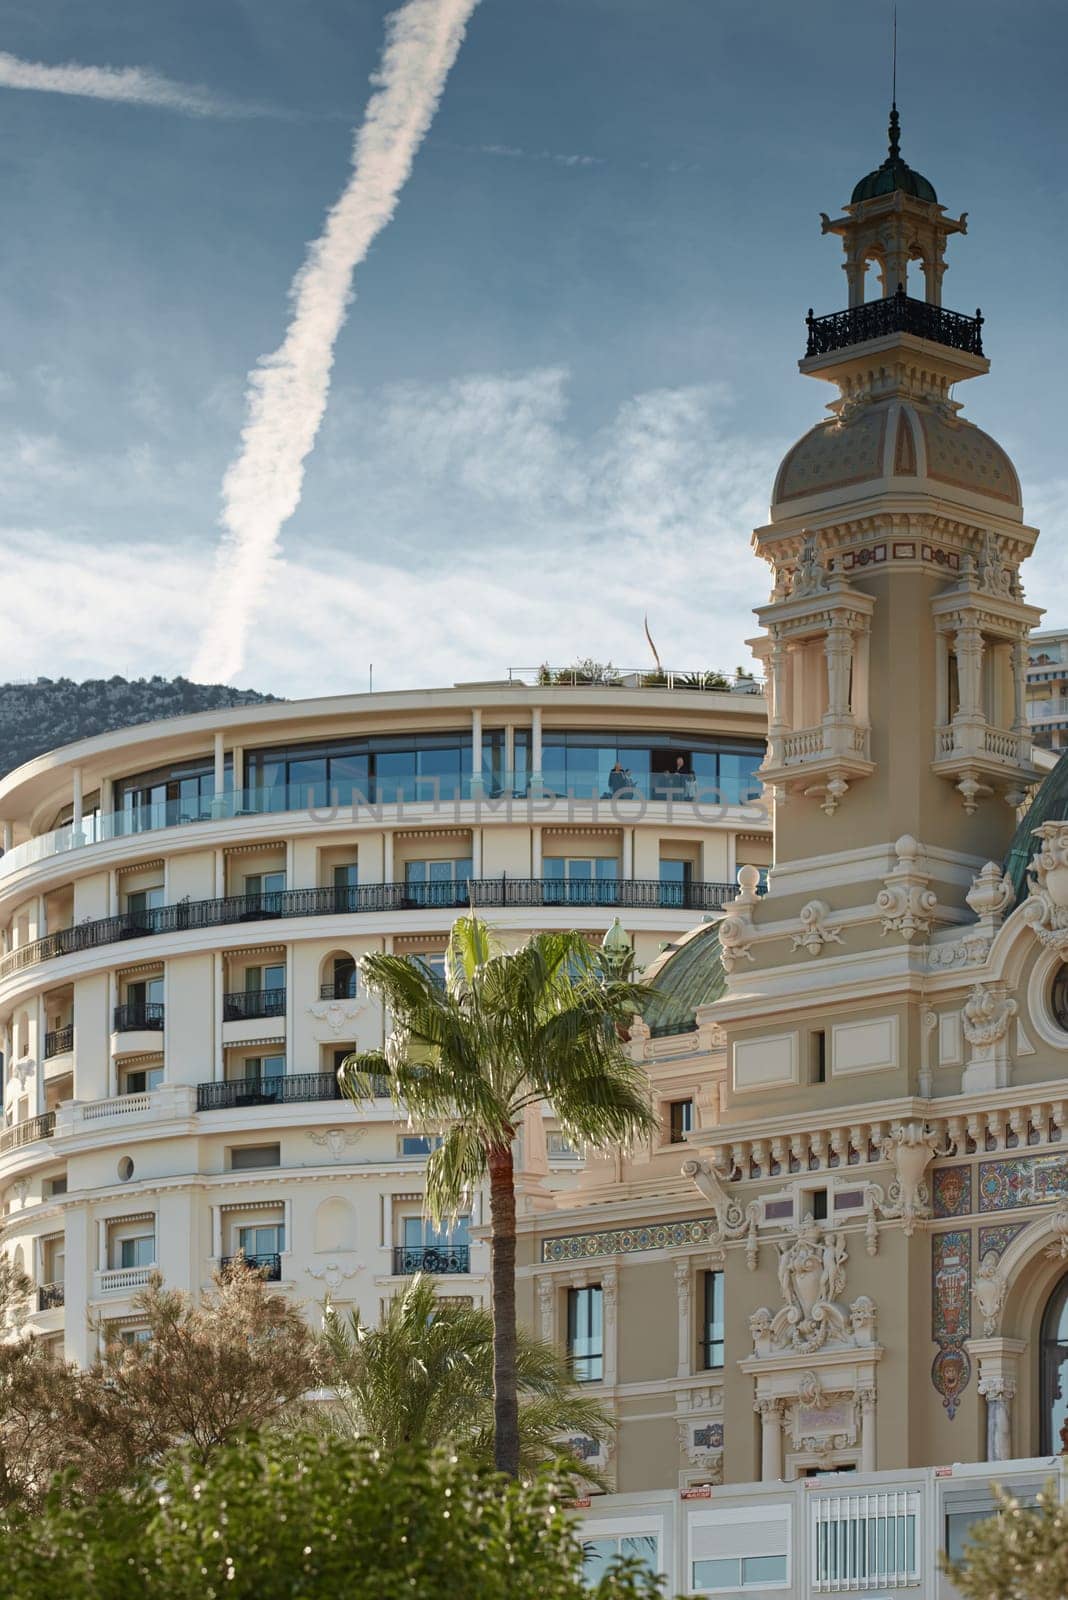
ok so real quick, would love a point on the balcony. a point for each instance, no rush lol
(269, 1267)
(28, 1132)
(434, 1258)
(980, 759)
(369, 898)
(50, 1296)
(142, 1016)
(121, 1280)
(279, 1089)
(245, 1005)
(898, 313)
(59, 1041)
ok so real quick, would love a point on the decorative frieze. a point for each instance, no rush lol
(627, 1241)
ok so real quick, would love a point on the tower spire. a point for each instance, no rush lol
(895, 134)
(895, 120)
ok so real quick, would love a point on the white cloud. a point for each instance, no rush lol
(129, 85)
(467, 528)
(288, 389)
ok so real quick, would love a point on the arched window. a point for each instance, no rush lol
(1054, 1370)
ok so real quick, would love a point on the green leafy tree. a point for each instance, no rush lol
(1019, 1554)
(508, 1030)
(423, 1377)
(295, 1517)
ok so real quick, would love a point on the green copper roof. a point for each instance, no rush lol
(894, 173)
(1050, 804)
(684, 978)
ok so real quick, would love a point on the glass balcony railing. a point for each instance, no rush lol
(737, 787)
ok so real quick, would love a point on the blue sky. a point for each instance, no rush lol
(570, 369)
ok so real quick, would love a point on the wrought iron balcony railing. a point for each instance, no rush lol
(58, 1041)
(339, 989)
(245, 1005)
(269, 1266)
(356, 899)
(898, 313)
(28, 1132)
(280, 1089)
(436, 1258)
(139, 1015)
(50, 1296)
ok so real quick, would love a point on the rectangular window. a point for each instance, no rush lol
(600, 1553)
(417, 1144)
(738, 1572)
(267, 1240)
(818, 1045)
(141, 1080)
(675, 879)
(142, 900)
(264, 1067)
(680, 1120)
(255, 1155)
(139, 1252)
(259, 978)
(862, 1541)
(585, 1334)
(132, 1337)
(713, 1343)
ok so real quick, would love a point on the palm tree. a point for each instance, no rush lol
(508, 1030)
(423, 1377)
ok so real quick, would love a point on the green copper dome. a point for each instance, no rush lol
(894, 173)
(687, 975)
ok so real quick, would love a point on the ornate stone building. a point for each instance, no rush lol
(849, 1252)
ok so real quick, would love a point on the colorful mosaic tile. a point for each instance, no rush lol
(995, 1239)
(710, 1438)
(624, 1241)
(1022, 1181)
(951, 1313)
(952, 1191)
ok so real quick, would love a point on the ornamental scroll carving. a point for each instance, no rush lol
(732, 1220)
(1046, 908)
(816, 931)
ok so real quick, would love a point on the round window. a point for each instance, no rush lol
(1058, 997)
(126, 1169)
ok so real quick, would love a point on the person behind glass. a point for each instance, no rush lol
(681, 780)
(619, 780)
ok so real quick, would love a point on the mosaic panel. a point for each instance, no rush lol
(1022, 1181)
(624, 1241)
(710, 1438)
(951, 1191)
(995, 1239)
(951, 1313)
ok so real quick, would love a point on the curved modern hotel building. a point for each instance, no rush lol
(183, 904)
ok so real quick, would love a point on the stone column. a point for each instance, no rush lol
(999, 1393)
(969, 648)
(866, 1402)
(476, 750)
(770, 1440)
(609, 1297)
(838, 648)
(1019, 684)
(218, 803)
(684, 1296)
(535, 748)
(778, 722)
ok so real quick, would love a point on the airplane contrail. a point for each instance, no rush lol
(287, 390)
(131, 85)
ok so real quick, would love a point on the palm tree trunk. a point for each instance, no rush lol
(505, 1392)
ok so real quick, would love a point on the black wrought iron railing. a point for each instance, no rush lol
(269, 1267)
(28, 1132)
(436, 1258)
(356, 899)
(139, 1015)
(50, 1296)
(59, 1040)
(245, 1005)
(898, 313)
(283, 1088)
(339, 989)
